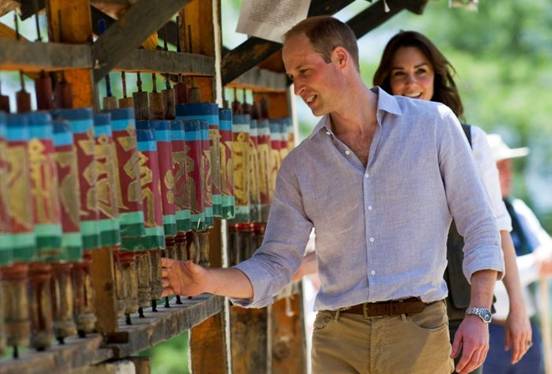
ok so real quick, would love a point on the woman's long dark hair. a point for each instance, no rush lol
(444, 88)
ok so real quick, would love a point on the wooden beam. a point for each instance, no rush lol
(261, 80)
(36, 56)
(73, 354)
(142, 19)
(255, 50)
(167, 62)
(163, 324)
(375, 15)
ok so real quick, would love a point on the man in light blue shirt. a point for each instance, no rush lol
(373, 181)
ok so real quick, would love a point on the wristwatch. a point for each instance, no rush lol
(481, 312)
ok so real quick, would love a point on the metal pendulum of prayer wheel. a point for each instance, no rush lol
(141, 102)
(4, 101)
(63, 93)
(154, 239)
(131, 214)
(22, 97)
(21, 225)
(162, 133)
(125, 101)
(107, 195)
(43, 84)
(226, 168)
(156, 101)
(81, 123)
(6, 255)
(48, 228)
(71, 243)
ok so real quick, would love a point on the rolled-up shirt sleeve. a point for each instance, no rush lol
(467, 199)
(489, 176)
(287, 233)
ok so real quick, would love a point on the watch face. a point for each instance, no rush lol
(485, 315)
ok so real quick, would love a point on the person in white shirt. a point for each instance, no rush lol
(533, 248)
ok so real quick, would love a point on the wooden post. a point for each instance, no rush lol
(208, 340)
(70, 22)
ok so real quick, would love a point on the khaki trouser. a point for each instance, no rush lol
(405, 344)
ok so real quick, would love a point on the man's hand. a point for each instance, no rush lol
(518, 333)
(182, 278)
(472, 338)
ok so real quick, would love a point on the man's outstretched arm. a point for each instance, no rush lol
(187, 278)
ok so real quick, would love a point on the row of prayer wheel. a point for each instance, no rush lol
(75, 181)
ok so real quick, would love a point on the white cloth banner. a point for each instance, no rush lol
(269, 19)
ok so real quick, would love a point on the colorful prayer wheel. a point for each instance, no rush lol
(21, 226)
(226, 168)
(240, 166)
(5, 238)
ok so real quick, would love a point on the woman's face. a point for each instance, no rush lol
(411, 74)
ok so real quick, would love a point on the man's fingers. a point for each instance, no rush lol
(477, 359)
(518, 349)
(466, 358)
(456, 344)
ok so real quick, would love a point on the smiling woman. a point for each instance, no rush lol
(412, 66)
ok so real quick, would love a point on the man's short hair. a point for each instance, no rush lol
(325, 34)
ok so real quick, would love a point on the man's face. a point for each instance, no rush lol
(505, 176)
(314, 79)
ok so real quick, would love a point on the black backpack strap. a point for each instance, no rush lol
(467, 131)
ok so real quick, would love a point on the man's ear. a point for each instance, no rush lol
(340, 57)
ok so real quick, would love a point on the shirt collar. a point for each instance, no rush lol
(386, 103)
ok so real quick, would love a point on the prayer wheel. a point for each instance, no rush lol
(21, 226)
(131, 213)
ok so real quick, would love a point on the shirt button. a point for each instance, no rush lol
(347, 153)
(328, 133)
(366, 175)
(373, 272)
(372, 240)
(369, 207)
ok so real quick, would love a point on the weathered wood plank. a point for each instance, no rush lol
(167, 62)
(164, 324)
(249, 338)
(288, 336)
(75, 353)
(103, 283)
(141, 20)
(36, 56)
(208, 348)
(261, 80)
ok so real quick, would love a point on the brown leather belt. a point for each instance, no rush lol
(388, 308)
